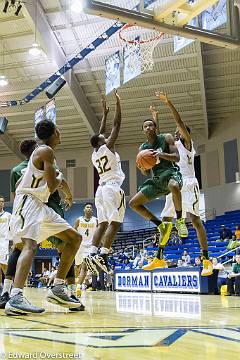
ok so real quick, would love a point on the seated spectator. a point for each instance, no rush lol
(237, 232)
(136, 260)
(181, 263)
(44, 277)
(186, 258)
(31, 279)
(233, 243)
(234, 278)
(222, 273)
(110, 278)
(175, 239)
(140, 264)
(52, 276)
(197, 261)
(155, 240)
(225, 233)
(126, 265)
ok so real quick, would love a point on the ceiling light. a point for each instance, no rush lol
(3, 80)
(77, 6)
(35, 49)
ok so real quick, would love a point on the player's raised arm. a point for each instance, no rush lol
(180, 124)
(102, 129)
(116, 123)
(47, 157)
(154, 113)
(173, 154)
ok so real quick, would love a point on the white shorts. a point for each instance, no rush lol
(32, 219)
(110, 203)
(4, 252)
(82, 253)
(190, 199)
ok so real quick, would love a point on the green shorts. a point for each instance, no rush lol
(158, 185)
(59, 210)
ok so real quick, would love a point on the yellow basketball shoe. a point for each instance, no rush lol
(164, 229)
(181, 228)
(207, 268)
(155, 264)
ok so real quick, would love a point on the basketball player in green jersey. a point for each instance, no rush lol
(165, 178)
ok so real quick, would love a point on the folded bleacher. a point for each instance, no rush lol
(137, 238)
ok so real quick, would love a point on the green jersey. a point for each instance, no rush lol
(160, 144)
(161, 173)
(17, 173)
(236, 268)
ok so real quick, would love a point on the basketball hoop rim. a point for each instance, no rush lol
(127, 26)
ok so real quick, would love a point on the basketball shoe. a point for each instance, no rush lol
(19, 305)
(80, 308)
(155, 264)
(207, 268)
(102, 262)
(181, 228)
(91, 265)
(58, 295)
(164, 229)
(4, 298)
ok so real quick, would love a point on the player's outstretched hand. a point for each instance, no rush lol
(116, 94)
(105, 107)
(68, 203)
(157, 153)
(162, 96)
(154, 112)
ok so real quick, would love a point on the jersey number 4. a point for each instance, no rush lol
(102, 165)
(87, 232)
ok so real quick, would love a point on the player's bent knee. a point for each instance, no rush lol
(30, 245)
(72, 237)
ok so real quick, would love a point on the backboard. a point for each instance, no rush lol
(170, 16)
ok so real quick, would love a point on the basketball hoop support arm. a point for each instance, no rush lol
(147, 21)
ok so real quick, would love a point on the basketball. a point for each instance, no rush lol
(145, 159)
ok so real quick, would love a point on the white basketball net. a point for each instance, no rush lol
(149, 39)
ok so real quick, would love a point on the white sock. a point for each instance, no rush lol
(58, 281)
(93, 250)
(7, 286)
(104, 251)
(15, 291)
(72, 289)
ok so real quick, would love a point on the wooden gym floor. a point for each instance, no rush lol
(126, 326)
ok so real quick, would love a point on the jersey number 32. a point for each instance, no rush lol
(102, 165)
